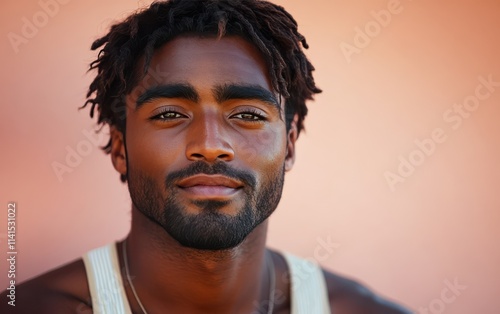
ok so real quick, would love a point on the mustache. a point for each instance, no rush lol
(220, 168)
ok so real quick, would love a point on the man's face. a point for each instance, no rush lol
(206, 144)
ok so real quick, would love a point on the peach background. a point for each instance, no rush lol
(441, 223)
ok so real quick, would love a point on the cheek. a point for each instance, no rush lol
(265, 149)
(151, 152)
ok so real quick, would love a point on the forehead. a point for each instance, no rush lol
(206, 62)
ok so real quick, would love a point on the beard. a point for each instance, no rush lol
(209, 228)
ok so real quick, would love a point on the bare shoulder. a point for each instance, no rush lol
(62, 290)
(350, 297)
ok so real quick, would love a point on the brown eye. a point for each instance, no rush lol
(252, 116)
(168, 115)
(247, 116)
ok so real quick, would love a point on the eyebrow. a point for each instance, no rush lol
(221, 93)
(178, 90)
(247, 92)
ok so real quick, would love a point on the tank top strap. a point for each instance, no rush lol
(309, 294)
(105, 281)
(308, 291)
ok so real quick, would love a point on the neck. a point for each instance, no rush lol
(168, 275)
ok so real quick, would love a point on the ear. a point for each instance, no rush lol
(290, 145)
(118, 152)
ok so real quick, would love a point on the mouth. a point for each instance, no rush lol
(216, 187)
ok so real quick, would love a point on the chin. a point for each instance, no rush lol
(211, 228)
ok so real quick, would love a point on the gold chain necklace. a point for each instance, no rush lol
(272, 285)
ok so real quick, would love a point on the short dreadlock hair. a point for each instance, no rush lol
(268, 26)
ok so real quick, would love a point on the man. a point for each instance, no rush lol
(205, 100)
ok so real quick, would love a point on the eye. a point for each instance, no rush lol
(250, 115)
(167, 115)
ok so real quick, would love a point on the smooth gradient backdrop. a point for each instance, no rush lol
(397, 177)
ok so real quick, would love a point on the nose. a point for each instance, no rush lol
(208, 141)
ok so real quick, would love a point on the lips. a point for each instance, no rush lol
(210, 186)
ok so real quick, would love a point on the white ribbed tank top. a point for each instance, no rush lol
(308, 287)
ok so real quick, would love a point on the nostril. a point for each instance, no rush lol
(209, 150)
(195, 155)
(201, 156)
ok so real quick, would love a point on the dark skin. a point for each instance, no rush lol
(190, 130)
